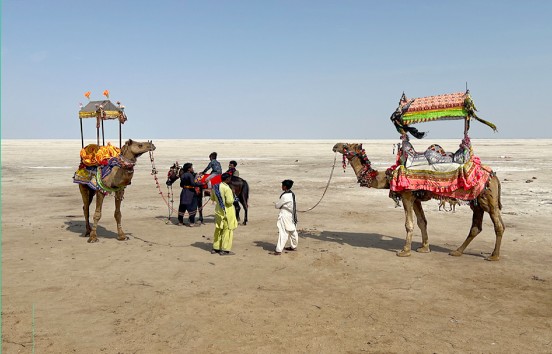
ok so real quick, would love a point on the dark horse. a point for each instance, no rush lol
(239, 186)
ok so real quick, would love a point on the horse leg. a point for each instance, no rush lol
(408, 205)
(200, 206)
(422, 224)
(97, 216)
(476, 227)
(244, 200)
(118, 216)
(237, 207)
(87, 195)
(244, 204)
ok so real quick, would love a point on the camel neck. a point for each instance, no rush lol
(367, 176)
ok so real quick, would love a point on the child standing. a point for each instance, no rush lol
(287, 219)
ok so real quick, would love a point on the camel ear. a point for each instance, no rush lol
(360, 146)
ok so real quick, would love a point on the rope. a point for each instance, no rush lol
(325, 190)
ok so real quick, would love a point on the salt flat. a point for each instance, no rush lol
(343, 291)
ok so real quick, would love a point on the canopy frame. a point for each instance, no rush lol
(102, 110)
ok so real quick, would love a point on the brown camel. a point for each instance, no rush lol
(116, 181)
(487, 201)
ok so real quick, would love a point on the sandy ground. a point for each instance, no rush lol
(343, 291)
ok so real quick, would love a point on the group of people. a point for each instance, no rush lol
(226, 222)
(225, 213)
(190, 196)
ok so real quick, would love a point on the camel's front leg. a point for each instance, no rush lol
(87, 195)
(118, 216)
(422, 224)
(499, 230)
(408, 205)
(97, 216)
(476, 227)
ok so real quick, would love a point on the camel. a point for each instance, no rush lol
(487, 201)
(116, 181)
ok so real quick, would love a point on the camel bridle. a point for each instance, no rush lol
(367, 174)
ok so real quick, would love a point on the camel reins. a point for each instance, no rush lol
(325, 189)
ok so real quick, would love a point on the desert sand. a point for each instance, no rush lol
(343, 291)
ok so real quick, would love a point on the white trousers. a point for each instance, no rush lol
(285, 234)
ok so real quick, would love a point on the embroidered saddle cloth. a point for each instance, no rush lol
(452, 180)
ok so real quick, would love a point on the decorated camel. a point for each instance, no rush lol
(486, 200)
(434, 173)
(105, 170)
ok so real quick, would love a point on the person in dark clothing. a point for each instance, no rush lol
(232, 169)
(214, 166)
(188, 197)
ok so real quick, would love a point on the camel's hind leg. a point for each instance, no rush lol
(422, 224)
(118, 216)
(408, 205)
(87, 195)
(97, 216)
(476, 227)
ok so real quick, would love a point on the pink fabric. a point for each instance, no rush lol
(464, 183)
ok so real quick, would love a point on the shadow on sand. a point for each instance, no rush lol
(79, 227)
(387, 243)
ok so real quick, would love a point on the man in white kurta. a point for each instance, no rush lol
(287, 219)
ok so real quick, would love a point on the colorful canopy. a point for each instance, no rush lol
(111, 110)
(432, 108)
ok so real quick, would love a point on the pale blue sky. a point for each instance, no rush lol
(273, 69)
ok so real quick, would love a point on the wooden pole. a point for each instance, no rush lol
(82, 135)
(103, 134)
(120, 135)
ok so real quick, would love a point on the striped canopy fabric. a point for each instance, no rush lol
(440, 107)
(450, 106)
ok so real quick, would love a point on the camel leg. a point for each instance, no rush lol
(408, 205)
(499, 230)
(97, 216)
(476, 227)
(422, 224)
(118, 216)
(87, 195)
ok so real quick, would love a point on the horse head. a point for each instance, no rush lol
(175, 172)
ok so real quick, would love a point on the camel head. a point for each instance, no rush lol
(360, 163)
(348, 150)
(137, 148)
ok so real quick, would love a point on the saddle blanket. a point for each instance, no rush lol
(86, 175)
(463, 182)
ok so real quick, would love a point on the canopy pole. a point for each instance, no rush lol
(82, 135)
(120, 135)
(98, 136)
(103, 134)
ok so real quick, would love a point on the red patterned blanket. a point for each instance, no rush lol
(464, 183)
